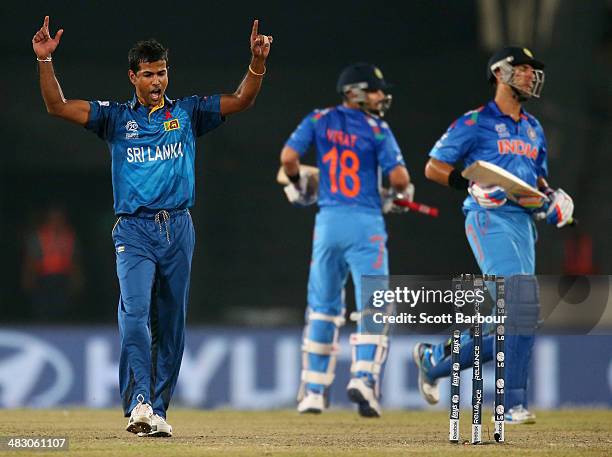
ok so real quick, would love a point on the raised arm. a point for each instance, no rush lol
(247, 91)
(72, 110)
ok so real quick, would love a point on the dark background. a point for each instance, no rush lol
(253, 248)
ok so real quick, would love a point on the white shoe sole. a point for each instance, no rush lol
(166, 433)
(140, 424)
(311, 411)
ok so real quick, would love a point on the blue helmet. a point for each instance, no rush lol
(357, 79)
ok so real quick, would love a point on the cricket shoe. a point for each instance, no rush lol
(140, 417)
(518, 415)
(312, 403)
(429, 388)
(361, 391)
(159, 428)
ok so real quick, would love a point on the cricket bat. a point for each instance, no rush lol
(488, 174)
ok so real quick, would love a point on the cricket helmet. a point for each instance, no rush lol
(506, 59)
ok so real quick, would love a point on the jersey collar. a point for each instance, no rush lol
(497, 112)
(135, 104)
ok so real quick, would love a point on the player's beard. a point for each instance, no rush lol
(519, 95)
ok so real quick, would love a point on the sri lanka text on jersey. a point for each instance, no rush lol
(146, 154)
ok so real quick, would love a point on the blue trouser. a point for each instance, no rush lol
(153, 267)
(503, 244)
(345, 240)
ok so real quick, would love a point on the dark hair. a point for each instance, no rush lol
(146, 51)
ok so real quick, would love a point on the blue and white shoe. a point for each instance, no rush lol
(422, 355)
(518, 415)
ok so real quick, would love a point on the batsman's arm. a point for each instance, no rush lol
(445, 174)
(290, 160)
(399, 178)
(72, 110)
(244, 97)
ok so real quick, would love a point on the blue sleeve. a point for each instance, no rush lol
(102, 118)
(542, 159)
(456, 143)
(206, 113)
(303, 136)
(388, 151)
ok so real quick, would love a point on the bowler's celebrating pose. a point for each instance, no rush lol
(501, 232)
(152, 144)
(352, 143)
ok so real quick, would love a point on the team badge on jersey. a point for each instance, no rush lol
(172, 125)
(531, 133)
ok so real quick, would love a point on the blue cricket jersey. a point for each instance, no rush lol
(351, 146)
(488, 134)
(153, 150)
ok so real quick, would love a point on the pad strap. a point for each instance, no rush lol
(315, 377)
(339, 321)
(363, 365)
(379, 340)
(313, 347)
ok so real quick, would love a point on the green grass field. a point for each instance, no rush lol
(285, 433)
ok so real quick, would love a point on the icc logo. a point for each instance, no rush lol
(131, 126)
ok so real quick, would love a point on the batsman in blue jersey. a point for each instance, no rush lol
(152, 144)
(352, 144)
(500, 231)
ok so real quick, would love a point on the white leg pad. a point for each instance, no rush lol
(313, 347)
(374, 366)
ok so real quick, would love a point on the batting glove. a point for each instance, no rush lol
(488, 197)
(301, 193)
(390, 195)
(559, 210)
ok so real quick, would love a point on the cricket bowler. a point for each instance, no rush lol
(501, 232)
(152, 143)
(352, 143)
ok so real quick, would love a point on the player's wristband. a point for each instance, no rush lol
(295, 178)
(255, 73)
(456, 181)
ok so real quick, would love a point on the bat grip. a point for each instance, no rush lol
(418, 207)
